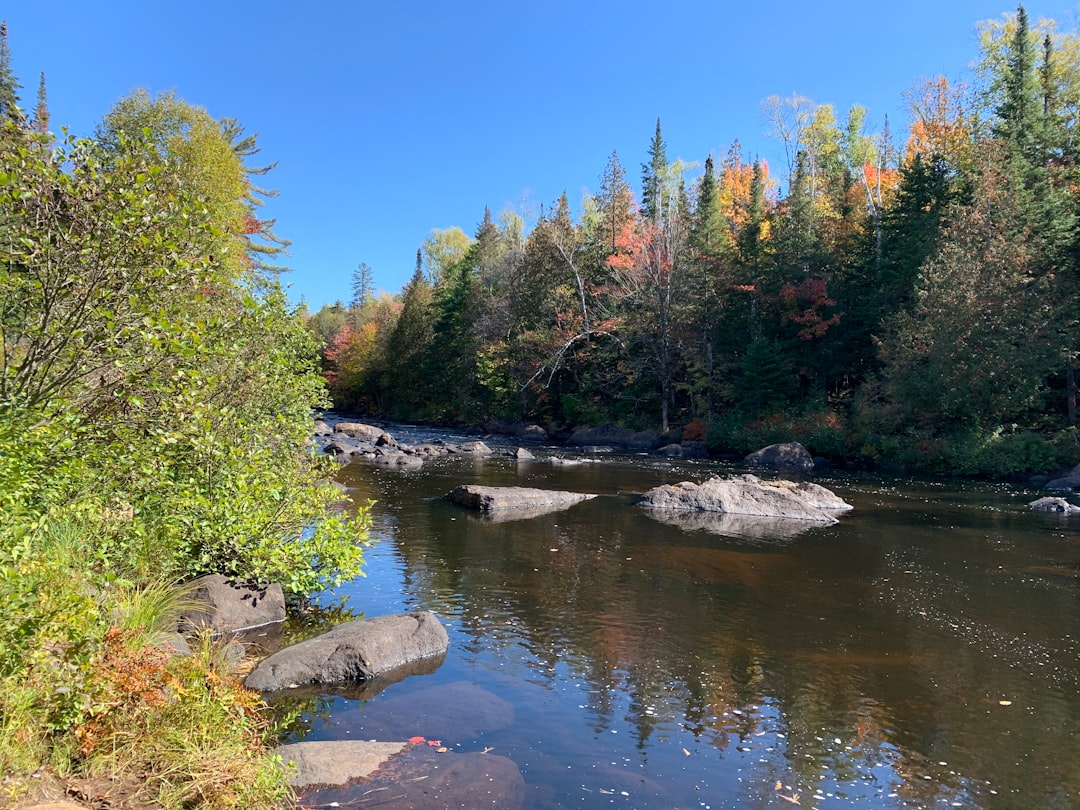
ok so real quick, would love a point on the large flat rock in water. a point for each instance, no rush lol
(351, 652)
(749, 495)
(421, 778)
(496, 499)
(326, 764)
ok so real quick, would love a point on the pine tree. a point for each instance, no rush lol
(654, 179)
(363, 286)
(9, 85)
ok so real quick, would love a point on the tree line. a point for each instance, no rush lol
(911, 304)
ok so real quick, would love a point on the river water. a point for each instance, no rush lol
(921, 653)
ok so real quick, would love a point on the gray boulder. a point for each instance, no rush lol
(346, 449)
(534, 433)
(521, 454)
(1066, 483)
(224, 606)
(749, 495)
(322, 429)
(336, 763)
(789, 455)
(354, 651)
(477, 448)
(358, 430)
(1056, 505)
(497, 499)
(385, 457)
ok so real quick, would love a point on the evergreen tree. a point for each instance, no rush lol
(363, 286)
(911, 227)
(1017, 113)
(654, 179)
(9, 85)
(707, 228)
(408, 345)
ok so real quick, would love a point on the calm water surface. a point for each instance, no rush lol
(922, 653)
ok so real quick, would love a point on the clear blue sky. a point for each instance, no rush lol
(388, 119)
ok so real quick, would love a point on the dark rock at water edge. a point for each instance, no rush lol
(789, 455)
(355, 651)
(1066, 483)
(226, 606)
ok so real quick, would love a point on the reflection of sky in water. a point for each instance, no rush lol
(892, 661)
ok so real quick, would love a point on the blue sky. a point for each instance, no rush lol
(389, 119)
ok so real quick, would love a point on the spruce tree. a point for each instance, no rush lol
(9, 85)
(654, 179)
(408, 345)
(363, 286)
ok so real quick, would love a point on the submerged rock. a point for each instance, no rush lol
(498, 499)
(337, 762)
(421, 778)
(355, 651)
(749, 495)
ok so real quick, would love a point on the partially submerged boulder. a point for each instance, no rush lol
(1056, 505)
(497, 499)
(336, 763)
(225, 606)
(789, 455)
(355, 651)
(749, 495)
(422, 778)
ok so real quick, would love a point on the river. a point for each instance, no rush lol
(921, 653)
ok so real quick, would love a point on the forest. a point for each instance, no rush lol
(906, 301)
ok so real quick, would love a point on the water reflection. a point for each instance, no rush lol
(907, 657)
